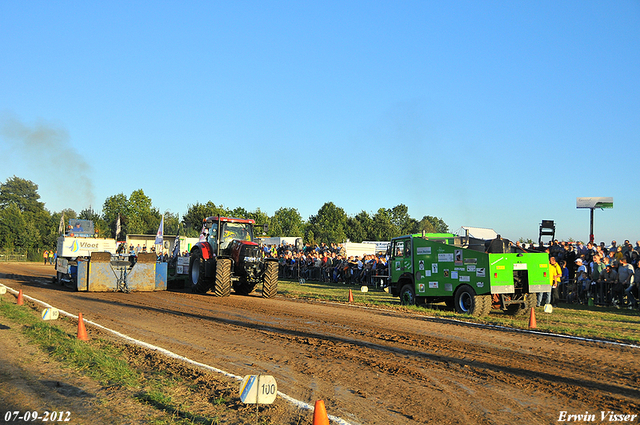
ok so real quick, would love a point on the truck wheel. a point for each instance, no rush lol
(199, 283)
(222, 287)
(467, 302)
(270, 282)
(520, 309)
(484, 305)
(408, 295)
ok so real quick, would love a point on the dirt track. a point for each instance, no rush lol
(370, 366)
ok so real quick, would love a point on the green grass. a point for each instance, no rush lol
(104, 362)
(567, 319)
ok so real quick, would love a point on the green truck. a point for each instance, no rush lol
(436, 267)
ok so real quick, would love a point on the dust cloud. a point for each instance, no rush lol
(52, 162)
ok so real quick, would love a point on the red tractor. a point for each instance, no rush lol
(226, 256)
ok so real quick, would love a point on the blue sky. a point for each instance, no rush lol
(487, 114)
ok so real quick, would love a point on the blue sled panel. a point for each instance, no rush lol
(161, 276)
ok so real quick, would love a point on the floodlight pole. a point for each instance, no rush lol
(592, 204)
(591, 238)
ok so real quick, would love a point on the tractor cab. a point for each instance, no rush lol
(219, 232)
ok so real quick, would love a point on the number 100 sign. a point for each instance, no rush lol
(258, 389)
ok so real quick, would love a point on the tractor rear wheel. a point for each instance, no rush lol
(222, 287)
(270, 280)
(198, 279)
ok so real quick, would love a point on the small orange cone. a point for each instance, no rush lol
(320, 414)
(532, 319)
(20, 300)
(82, 331)
(350, 296)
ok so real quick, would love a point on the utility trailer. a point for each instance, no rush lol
(436, 267)
(87, 263)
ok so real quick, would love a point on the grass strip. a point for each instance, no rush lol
(583, 321)
(103, 362)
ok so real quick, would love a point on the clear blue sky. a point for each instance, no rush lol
(490, 114)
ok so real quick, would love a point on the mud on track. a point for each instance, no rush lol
(370, 366)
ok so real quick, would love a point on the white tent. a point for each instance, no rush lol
(476, 232)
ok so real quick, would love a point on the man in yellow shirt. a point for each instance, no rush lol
(555, 274)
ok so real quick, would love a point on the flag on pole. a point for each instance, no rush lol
(159, 234)
(176, 246)
(61, 225)
(118, 227)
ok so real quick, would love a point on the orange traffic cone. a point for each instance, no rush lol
(82, 331)
(320, 414)
(350, 296)
(20, 300)
(532, 319)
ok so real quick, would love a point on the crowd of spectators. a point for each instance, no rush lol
(328, 263)
(606, 275)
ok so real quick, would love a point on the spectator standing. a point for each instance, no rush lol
(570, 258)
(628, 284)
(564, 279)
(636, 285)
(625, 278)
(45, 255)
(609, 278)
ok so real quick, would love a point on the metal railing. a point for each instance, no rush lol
(12, 257)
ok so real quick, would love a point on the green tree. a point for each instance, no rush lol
(401, 220)
(113, 206)
(171, 223)
(359, 227)
(328, 225)
(382, 227)
(34, 222)
(286, 222)
(16, 233)
(261, 218)
(143, 218)
(432, 224)
(196, 213)
(23, 193)
(238, 212)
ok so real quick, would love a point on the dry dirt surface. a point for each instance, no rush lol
(370, 366)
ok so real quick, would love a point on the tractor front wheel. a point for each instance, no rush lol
(270, 282)
(222, 287)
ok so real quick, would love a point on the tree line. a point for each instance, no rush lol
(27, 227)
